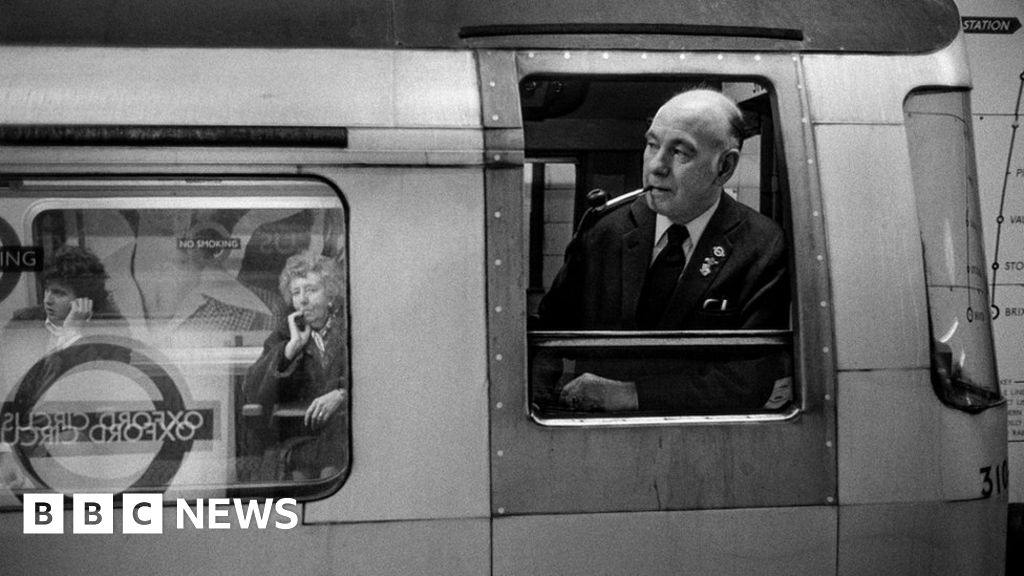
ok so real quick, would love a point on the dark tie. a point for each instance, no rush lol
(661, 279)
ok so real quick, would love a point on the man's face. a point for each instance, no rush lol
(57, 299)
(685, 163)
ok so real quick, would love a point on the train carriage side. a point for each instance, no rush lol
(397, 198)
(895, 160)
(446, 183)
(891, 442)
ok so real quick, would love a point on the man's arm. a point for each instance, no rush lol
(738, 381)
(559, 309)
(768, 304)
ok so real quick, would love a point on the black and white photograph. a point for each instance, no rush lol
(500, 287)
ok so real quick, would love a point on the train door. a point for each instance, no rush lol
(585, 491)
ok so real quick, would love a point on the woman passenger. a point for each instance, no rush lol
(304, 367)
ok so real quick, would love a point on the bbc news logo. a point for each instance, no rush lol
(143, 514)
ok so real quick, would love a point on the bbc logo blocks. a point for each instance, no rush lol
(93, 514)
(144, 513)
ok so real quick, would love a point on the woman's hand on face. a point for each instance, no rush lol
(323, 407)
(297, 338)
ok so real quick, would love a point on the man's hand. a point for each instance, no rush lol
(593, 393)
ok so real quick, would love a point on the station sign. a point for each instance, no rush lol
(990, 24)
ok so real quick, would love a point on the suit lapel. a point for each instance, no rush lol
(637, 245)
(694, 283)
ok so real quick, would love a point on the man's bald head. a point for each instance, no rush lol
(692, 150)
(724, 118)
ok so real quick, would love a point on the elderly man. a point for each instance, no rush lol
(683, 256)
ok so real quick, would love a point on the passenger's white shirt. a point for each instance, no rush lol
(60, 336)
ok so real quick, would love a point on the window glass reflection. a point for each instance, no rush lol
(141, 356)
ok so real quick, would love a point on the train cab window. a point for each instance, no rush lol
(630, 315)
(179, 336)
(944, 173)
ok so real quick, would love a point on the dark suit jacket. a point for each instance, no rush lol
(600, 282)
(743, 256)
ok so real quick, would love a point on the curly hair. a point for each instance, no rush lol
(81, 271)
(305, 263)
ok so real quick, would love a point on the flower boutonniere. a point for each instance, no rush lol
(718, 255)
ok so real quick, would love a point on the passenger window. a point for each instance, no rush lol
(188, 337)
(614, 331)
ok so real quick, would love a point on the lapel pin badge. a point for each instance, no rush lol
(711, 262)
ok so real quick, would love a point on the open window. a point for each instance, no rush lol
(587, 133)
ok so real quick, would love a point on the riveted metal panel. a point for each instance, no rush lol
(875, 245)
(419, 379)
(866, 89)
(418, 346)
(450, 547)
(923, 539)
(538, 469)
(824, 25)
(777, 541)
(890, 429)
(256, 87)
(435, 88)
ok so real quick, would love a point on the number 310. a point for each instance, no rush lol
(994, 481)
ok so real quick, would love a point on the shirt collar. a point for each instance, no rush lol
(61, 336)
(53, 328)
(694, 227)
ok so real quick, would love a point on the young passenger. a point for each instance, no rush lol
(73, 293)
(75, 300)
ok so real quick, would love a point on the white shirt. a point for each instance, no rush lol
(695, 228)
(60, 336)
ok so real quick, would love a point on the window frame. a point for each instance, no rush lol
(776, 193)
(681, 340)
(216, 191)
(937, 120)
(535, 468)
